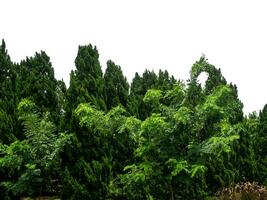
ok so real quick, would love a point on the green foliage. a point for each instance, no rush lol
(36, 80)
(139, 87)
(215, 77)
(116, 87)
(86, 82)
(31, 162)
(100, 139)
(8, 98)
(163, 138)
(153, 98)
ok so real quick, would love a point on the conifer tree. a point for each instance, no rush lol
(36, 80)
(88, 146)
(165, 82)
(182, 141)
(139, 87)
(261, 145)
(86, 82)
(116, 88)
(8, 98)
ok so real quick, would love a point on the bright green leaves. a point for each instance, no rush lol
(177, 167)
(92, 118)
(220, 105)
(31, 161)
(197, 170)
(215, 102)
(155, 124)
(217, 145)
(25, 106)
(153, 97)
(12, 156)
(131, 124)
(39, 131)
(215, 77)
(139, 173)
(136, 181)
(175, 96)
(152, 135)
(177, 140)
(183, 115)
(141, 85)
(89, 116)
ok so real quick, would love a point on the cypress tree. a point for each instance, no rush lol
(86, 86)
(116, 87)
(139, 87)
(141, 84)
(165, 82)
(86, 82)
(8, 97)
(36, 80)
(261, 145)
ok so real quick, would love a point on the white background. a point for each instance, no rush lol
(141, 34)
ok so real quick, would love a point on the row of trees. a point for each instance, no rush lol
(101, 138)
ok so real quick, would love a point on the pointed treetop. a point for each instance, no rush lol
(3, 47)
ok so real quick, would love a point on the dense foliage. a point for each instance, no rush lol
(103, 138)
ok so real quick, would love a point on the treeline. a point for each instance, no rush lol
(102, 138)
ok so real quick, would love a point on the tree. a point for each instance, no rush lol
(165, 82)
(214, 80)
(260, 145)
(139, 87)
(104, 147)
(86, 83)
(8, 98)
(215, 77)
(166, 139)
(174, 151)
(32, 166)
(116, 88)
(36, 80)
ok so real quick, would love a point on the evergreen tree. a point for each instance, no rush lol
(99, 152)
(86, 172)
(165, 82)
(86, 82)
(9, 129)
(141, 84)
(116, 88)
(194, 93)
(36, 80)
(261, 145)
(139, 87)
(164, 140)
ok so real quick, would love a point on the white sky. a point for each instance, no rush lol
(141, 34)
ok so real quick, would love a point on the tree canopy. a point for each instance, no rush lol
(103, 138)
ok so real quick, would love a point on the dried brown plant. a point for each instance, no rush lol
(243, 191)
